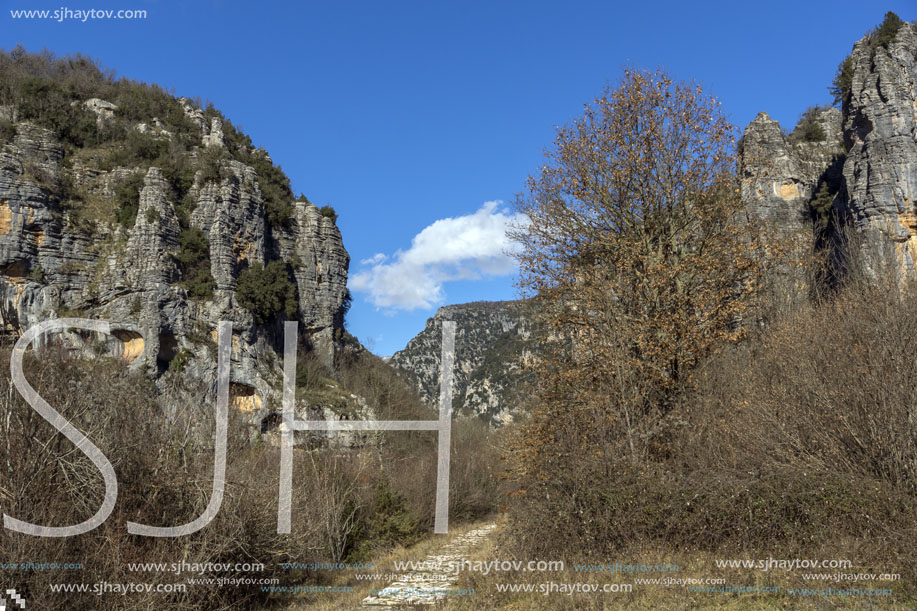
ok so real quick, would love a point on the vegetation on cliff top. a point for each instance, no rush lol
(879, 37)
(50, 91)
(148, 127)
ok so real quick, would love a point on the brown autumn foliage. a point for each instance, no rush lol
(642, 261)
(797, 442)
(347, 504)
(682, 401)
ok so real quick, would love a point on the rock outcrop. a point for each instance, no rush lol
(846, 179)
(62, 253)
(780, 174)
(493, 339)
(880, 133)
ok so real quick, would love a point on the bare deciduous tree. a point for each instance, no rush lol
(641, 258)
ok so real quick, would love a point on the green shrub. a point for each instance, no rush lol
(329, 213)
(50, 104)
(210, 164)
(37, 274)
(183, 210)
(177, 171)
(887, 30)
(843, 81)
(193, 246)
(310, 373)
(144, 147)
(267, 291)
(387, 523)
(140, 102)
(7, 131)
(346, 303)
(809, 129)
(880, 36)
(136, 150)
(194, 262)
(238, 143)
(127, 194)
(275, 186)
(821, 204)
(178, 364)
(392, 522)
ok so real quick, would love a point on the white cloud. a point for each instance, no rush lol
(376, 258)
(460, 248)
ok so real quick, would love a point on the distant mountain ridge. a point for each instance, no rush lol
(493, 339)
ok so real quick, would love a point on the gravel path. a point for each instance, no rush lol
(431, 585)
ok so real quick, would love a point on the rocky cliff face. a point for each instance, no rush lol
(58, 258)
(493, 339)
(781, 177)
(855, 168)
(880, 133)
(780, 174)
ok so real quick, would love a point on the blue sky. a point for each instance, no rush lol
(414, 119)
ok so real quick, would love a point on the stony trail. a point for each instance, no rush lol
(430, 586)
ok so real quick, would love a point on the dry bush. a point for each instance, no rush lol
(813, 423)
(644, 262)
(390, 396)
(165, 478)
(333, 490)
(406, 461)
(475, 488)
(829, 389)
(799, 441)
(347, 503)
(398, 493)
(823, 388)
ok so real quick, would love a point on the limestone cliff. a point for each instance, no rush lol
(780, 174)
(853, 169)
(493, 339)
(156, 241)
(880, 133)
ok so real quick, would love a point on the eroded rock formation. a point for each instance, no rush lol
(853, 176)
(880, 133)
(493, 339)
(59, 257)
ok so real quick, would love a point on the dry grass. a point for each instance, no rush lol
(798, 442)
(347, 505)
(693, 564)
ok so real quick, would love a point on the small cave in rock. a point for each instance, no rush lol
(168, 349)
(271, 422)
(244, 398)
(17, 270)
(130, 345)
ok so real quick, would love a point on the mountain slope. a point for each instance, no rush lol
(493, 339)
(120, 202)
